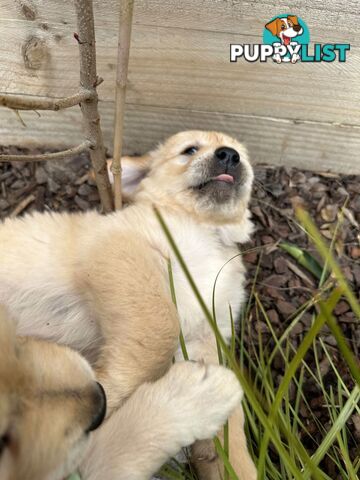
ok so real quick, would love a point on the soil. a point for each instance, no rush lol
(282, 284)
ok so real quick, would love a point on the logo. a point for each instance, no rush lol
(286, 39)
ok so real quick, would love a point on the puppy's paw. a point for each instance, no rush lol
(277, 58)
(295, 57)
(203, 397)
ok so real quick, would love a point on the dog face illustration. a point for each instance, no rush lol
(285, 28)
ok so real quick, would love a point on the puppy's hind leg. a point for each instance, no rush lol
(189, 403)
(205, 459)
(128, 290)
(203, 453)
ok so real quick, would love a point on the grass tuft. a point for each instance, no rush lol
(277, 434)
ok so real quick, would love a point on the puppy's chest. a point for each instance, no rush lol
(218, 276)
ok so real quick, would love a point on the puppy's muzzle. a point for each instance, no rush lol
(99, 408)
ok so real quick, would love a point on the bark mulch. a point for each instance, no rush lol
(282, 285)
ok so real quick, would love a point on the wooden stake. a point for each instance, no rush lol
(125, 24)
(89, 81)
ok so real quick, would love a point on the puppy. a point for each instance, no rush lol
(49, 402)
(100, 284)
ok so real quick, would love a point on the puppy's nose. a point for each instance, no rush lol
(227, 156)
(100, 408)
(297, 28)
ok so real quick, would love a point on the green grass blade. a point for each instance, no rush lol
(248, 389)
(337, 425)
(74, 476)
(170, 473)
(349, 357)
(328, 259)
(304, 258)
(183, 346)
(290, 372)
(173, 297)
(172, 286)
(227, 465)
(226, 450)
(337, 373)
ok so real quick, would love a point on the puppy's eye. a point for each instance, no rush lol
(190, 150)
(282, 27)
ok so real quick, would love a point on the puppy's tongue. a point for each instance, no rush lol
(224, 177)
(286, 40)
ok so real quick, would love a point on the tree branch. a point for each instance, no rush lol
(88, 100)
(89, 80)
(26, 102)
(83, 147)
(22, 205)
(125, 23)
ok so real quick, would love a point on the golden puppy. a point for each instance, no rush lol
(100, 283)
(49, 402)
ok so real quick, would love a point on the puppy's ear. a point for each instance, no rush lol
(293, 19)
(274, 26)
(134, 169)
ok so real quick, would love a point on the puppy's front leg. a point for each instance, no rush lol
(203, 453)
(127, 287)
(190, 402)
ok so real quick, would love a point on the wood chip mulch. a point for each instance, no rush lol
(282, 285)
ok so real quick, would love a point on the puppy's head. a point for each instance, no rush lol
(206, 174)
(49, 402)
(285, 28)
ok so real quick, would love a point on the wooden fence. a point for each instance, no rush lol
(180, 77)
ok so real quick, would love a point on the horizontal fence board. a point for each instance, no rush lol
(329, 21)
(179, 63)
(169, 68)
(313, 146)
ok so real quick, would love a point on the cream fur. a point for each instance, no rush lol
(48, 399)
(188, 403)
(100, 284)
